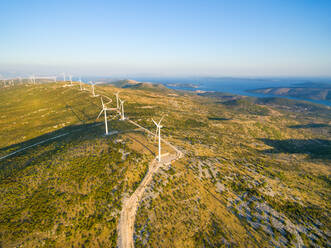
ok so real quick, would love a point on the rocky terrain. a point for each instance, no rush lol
(253, 172)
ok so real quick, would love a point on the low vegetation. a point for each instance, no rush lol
(256, 173)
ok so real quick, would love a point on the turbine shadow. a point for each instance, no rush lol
(218, 119)
(81, 115)
(141, 143)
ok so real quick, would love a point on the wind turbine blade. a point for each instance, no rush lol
(110, 100)
(102, 102)
(154, 122)
(100, 114)
(160, 120)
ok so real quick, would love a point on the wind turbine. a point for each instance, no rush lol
(80, 84)
(117, 105)
(122, 109)
(93, 93)
(70, 79)
(33, 79)
(64, 76)
(104, 110)
(158, 132)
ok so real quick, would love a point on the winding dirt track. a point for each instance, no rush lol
(130, 205)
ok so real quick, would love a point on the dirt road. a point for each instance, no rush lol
(130, 205)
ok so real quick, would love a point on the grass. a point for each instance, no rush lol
(68, 191)
(30, 111)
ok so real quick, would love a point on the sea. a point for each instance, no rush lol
(239, 86)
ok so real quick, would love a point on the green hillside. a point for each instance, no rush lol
(67, 191)
(255, 173)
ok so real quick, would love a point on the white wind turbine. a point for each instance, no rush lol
(158, 133)
(104, 110)
(93, 92)
(80, 84)
(117, 104)
(33, 78)
(64, 76)
(70, 78)
(122, 109)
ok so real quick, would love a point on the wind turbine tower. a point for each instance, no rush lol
(122, 109)
(158, 133)
(117, 105)
(80, 84)
(64, 76)
(104, 110)
(93, 92)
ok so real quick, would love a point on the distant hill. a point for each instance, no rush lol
(308, 108)
(128, 83)
(221, 96)
(312, 91)
(249, 104)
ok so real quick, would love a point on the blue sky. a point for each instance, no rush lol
(167, 38)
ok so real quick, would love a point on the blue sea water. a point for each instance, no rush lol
(238, 86)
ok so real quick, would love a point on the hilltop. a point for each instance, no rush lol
(254, 172)
(132, 84)
(313, 91)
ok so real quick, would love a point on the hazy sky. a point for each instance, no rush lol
(166, 38)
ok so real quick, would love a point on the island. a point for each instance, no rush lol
(311, 91)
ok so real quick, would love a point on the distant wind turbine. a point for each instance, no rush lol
(104, 110)
(117, 105)
(158, 133)
(33, 79)
(93, 92)
(122, 109)
(80, 84)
